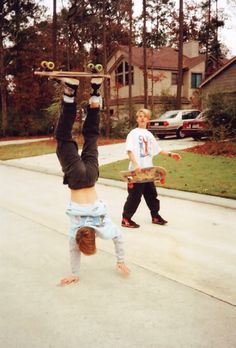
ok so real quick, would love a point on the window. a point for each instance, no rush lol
(122, 74)
(174, 78)
(196, 80)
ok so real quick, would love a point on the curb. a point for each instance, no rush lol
(189, 196)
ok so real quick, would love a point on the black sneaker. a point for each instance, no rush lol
(129, 223)
(96, 83)
(159, 220)
(70, 86)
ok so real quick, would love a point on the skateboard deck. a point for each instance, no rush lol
(149, 174)
(74, 74)
(48, 71)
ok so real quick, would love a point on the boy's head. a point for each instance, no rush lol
(142, 117)
(86, 240)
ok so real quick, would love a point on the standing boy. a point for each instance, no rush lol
(141, 146)
(88, 215)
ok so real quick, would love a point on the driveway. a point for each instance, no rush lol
(181, 292)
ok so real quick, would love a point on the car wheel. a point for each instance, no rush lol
(180, 134)
(161, 136)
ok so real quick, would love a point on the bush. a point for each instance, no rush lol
(221, 115)
(167, 101)
(120, 128)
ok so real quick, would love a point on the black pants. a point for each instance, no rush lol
(80, 171)
(149, 192)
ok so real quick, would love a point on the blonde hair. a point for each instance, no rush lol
(146, 112)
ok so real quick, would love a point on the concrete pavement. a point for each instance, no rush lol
(104, 310)
(181, 292)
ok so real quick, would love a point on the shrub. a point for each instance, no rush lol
(221, 115)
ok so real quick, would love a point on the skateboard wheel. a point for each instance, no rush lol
(90, 66)
(43, 64)
(50, 65)
(99, 67)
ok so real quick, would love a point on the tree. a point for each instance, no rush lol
(145, 78)
(208, 33)
(157, 28)
(54, 32)
(130, 11)
(3, 82)
(15, 17)
(180, 57)
(107, 108)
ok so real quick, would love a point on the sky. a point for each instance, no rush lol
(226, 35)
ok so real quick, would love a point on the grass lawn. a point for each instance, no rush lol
(208, 174)
(213, 175)
(42, 147)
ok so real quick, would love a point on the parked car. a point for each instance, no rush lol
(171, 123)
(197, 128)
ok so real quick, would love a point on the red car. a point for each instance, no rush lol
(197, 128)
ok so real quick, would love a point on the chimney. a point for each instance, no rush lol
(191, 49)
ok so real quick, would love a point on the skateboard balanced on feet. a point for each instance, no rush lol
(156, 174)
(94, 71)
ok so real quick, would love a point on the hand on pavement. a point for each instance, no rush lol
(121, 266)
(69, 280)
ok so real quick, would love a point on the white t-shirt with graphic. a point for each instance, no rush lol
(143, 145)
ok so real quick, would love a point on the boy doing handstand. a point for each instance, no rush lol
(88, 215)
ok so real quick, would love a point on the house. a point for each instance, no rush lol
(223, 80)
(162, 70)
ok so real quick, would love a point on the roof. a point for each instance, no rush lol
(165, 58)
(219, 71)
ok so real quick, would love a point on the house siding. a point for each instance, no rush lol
(224, 82)
(156, 88)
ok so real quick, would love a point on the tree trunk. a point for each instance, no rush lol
(105, 84)
(54, 33)
(3, 89)
(208, 36)
(130, 59)
(145, 86)
(180, 57)
(152, 86)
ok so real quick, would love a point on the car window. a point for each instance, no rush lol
(185, 116)
(195, 114)
(189, 115)
(201, 116)
(168, 115)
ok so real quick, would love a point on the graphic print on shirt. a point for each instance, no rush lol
(98, 221)
(144, 146)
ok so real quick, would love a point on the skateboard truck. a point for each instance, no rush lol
(97, 68)
(47, 65)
